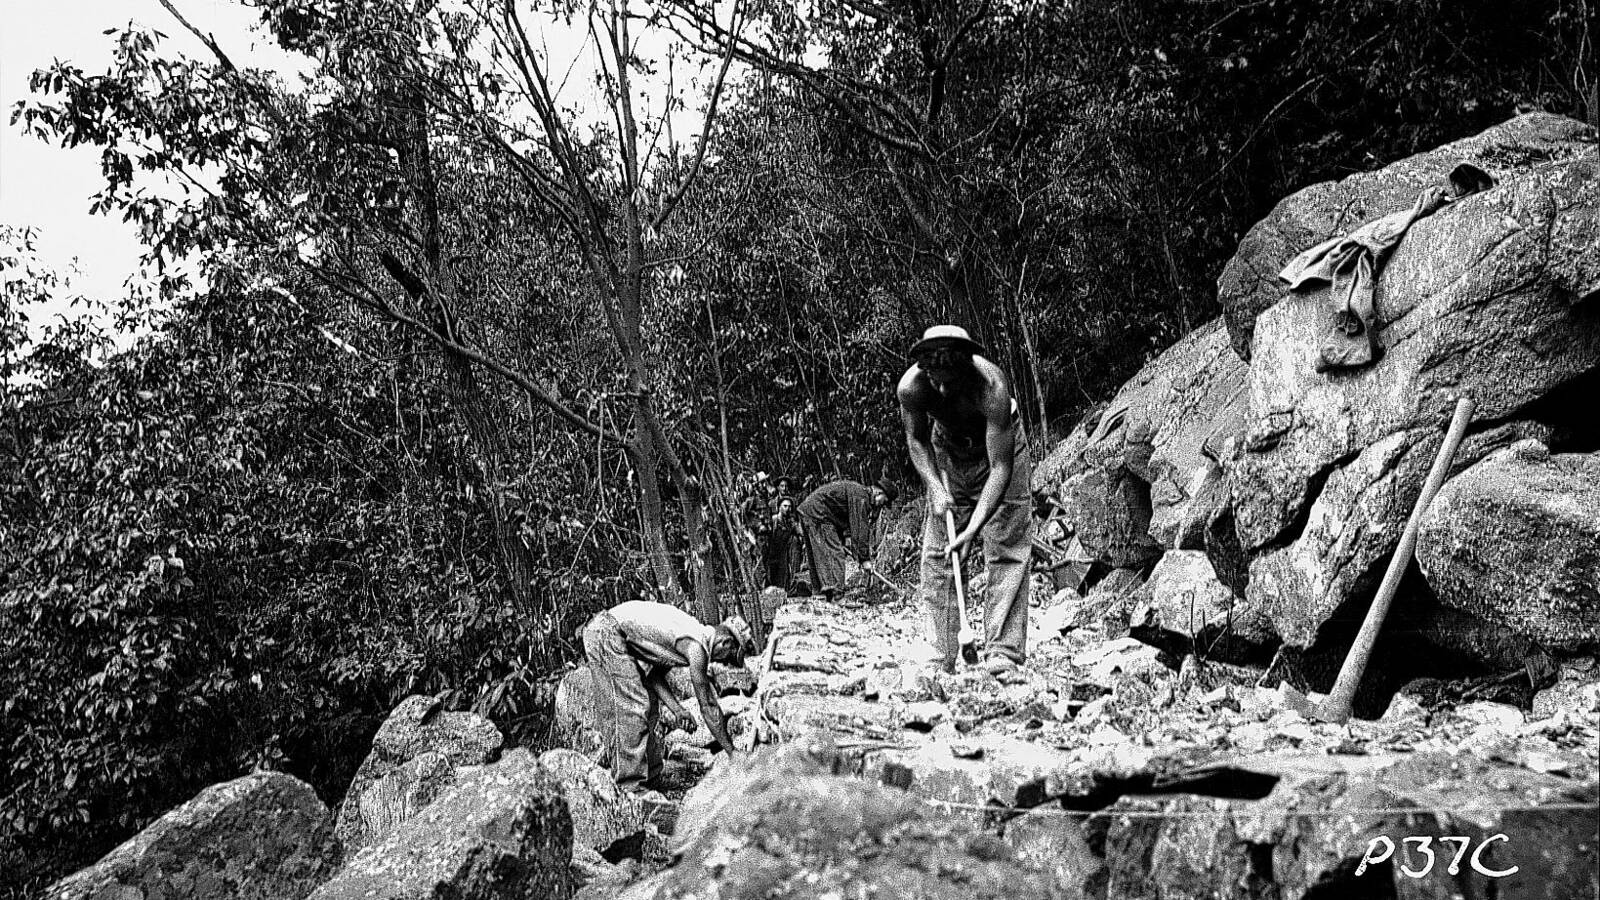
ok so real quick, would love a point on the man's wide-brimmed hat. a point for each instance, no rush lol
(740, 629)
(946, 336)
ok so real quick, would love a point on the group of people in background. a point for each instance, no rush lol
(964, 438)
(802, 542)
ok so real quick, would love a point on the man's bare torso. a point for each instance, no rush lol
(961, 408)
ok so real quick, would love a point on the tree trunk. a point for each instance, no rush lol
(483, 416)
(652, 522)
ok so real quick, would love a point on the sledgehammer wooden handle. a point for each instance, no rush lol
(1336, 708)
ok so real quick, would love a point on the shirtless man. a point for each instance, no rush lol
(961, 426)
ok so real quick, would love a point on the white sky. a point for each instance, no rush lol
(48, 187)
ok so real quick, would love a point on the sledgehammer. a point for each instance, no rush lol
(1336, 707)
(968, 640)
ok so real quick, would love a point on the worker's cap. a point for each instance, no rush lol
(740, 629)
(939, 337)
(760, 477)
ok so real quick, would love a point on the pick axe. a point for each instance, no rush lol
(968, 640)
(1336, 706)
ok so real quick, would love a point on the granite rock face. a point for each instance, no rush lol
(1147, 473)
(262, 836)
(601, 813)
(1515, 540)
(502, 832)
(1249, 284)
(1491, 297)
(412, 760)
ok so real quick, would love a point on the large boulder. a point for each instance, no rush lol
(1249, 284)
(1183, 608)
(261, 836)
(573, 703)
(503, 831)
(1057, 845)
(1148, 472)
(1486, 298)
(1515, 540)
(601, 813)
(413, 758)
(783, 824)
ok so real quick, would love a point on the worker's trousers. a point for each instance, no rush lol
(625, 710)
(1007, 552)
(824, 556)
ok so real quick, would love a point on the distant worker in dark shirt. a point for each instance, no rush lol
(829, 515)
(783, 546)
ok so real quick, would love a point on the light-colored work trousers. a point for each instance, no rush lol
(1007, 552)
(625, 710)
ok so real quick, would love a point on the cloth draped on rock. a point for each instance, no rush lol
(1007, 550)
(829, 513)
(623, 645)
(1349, 265)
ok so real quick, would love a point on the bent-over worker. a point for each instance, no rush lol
(630, 648)
(961, 425)
(827, 516)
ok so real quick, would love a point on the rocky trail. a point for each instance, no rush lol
(1218, 532)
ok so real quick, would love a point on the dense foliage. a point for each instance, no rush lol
(466, 368)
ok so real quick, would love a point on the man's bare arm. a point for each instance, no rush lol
(919, 439)
(658, 685)
(1000, 440)
(710, 710)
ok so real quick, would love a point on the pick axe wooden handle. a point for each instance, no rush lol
(1336, 708)
(965, 637)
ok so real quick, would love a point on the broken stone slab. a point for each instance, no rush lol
(793, 715)
(502, 832)
(259, 837)
(1515, 540)
(1575, 691)
(1005, 772)
(417, 726)
(786, 823)
(1126, 655)
(1107, 604)
(1250, 285)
